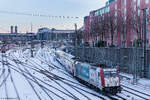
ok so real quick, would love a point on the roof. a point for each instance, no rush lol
(53, 30)
(63, 31)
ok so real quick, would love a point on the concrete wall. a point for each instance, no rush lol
(128, 59)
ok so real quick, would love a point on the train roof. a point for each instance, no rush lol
(62, 53)
(100, 65)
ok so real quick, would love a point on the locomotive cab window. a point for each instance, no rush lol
(108, 74)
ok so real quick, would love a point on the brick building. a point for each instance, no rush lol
(127, 17)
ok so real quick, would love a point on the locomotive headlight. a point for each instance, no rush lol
(106, 82)
(107, 85)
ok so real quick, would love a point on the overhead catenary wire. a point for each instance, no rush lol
(38, 15)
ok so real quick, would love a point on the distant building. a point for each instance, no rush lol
(17, 38)
(44, 34)
(55, 35)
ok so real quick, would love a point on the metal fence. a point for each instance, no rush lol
(129, 60)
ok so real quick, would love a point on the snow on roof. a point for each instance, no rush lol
(63, 31)
(43, 30)
(62, 53)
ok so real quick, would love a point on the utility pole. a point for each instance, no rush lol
(145, 42)
(31, 27)
(32, 47)
(135, 64)
(75, 39)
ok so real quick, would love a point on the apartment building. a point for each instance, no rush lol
(127, 21)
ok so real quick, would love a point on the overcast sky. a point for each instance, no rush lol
(79, 8)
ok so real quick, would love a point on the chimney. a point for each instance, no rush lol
(11, 29)
(16, 29)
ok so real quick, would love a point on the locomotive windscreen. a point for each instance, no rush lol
(108, 74)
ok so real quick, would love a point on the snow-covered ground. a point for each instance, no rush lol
(141, 88)
(39, 78)
(141, 82)
(43, 78)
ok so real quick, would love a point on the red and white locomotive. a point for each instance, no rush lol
(106, 80)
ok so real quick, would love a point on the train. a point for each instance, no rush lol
(4, 47)
(103, 79)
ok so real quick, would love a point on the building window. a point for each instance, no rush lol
(134, 8)
(108, 9)
(115, 21)
(124, 2)
(115, 13)
(138, 3)
(147, 11)
(138, 12)
(102, 11)
(116, 6)
(125, 17)
(146, 1)
(125, 10)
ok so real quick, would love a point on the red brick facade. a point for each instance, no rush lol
(127, 9)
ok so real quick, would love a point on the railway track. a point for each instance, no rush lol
(29, 82)
(62, 80)
(72, 86)
(111, 97)
(86, 91)
(3, 71)
(51, 86)
(57, 79)
(19, 71)
(33, 80)
(23, 73)
(4, 82)
(80, 92)
(136, 92)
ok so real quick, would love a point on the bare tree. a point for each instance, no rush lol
(123, 28)
(137, 24)
(99, 27)
(112, 24)
(94, 29)
(103, 26)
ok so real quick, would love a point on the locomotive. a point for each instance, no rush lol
(106, 80)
